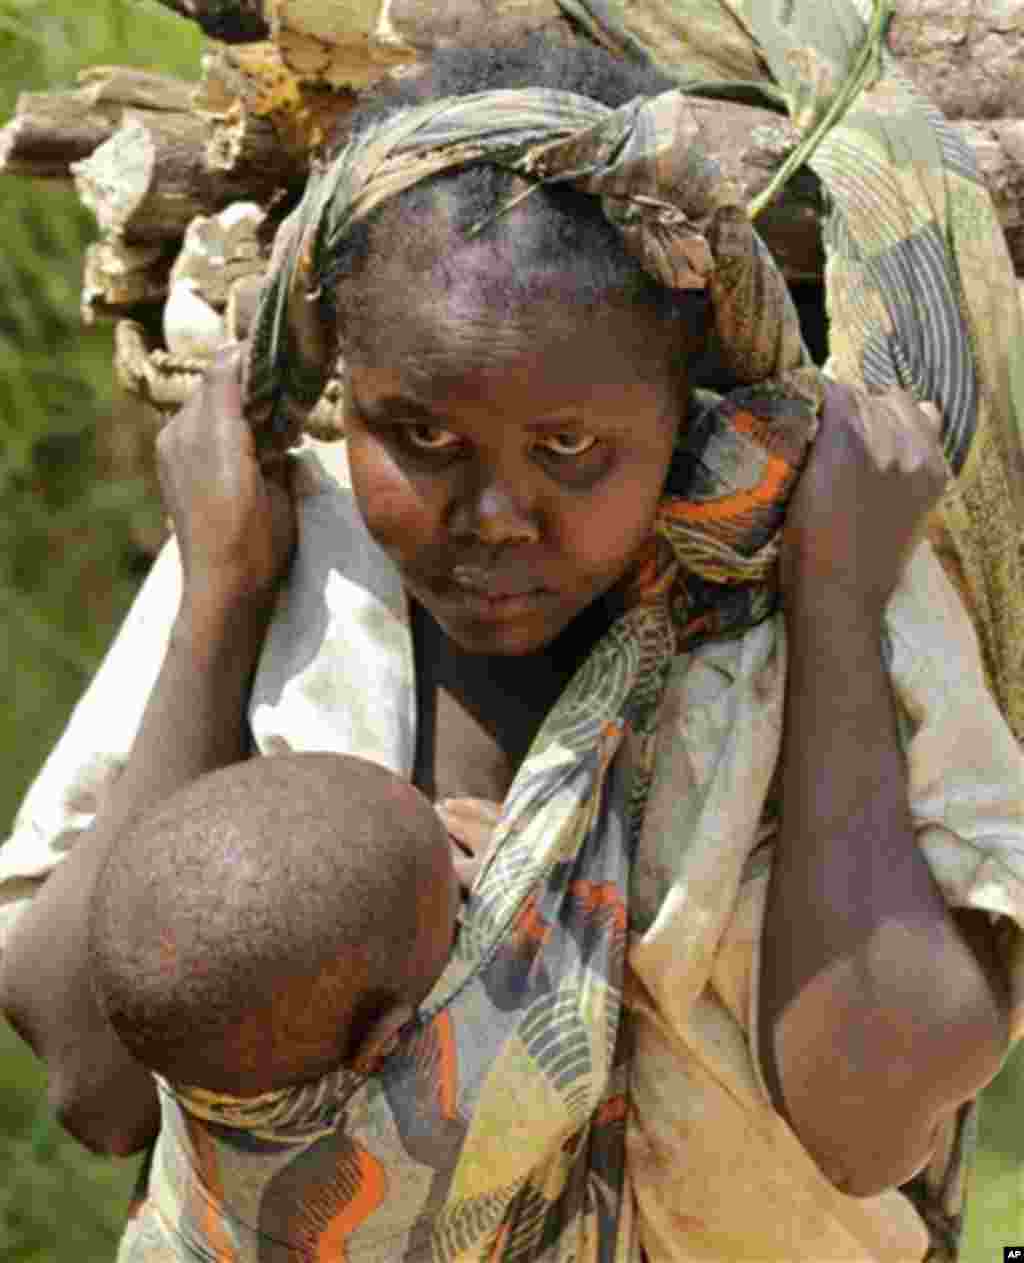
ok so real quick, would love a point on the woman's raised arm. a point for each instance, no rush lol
(235, 531)
(880, 1013)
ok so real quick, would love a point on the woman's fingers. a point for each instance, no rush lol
(904, 436)
(234, 522)
(873, 474)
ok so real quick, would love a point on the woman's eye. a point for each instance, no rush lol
(569, 444)
(430, 438)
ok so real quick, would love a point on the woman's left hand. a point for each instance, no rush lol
(874, 472)
(470, 823)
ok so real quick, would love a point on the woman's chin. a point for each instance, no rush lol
(507, 627)
(497, 640)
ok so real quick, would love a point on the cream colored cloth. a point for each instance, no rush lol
(716, 1173)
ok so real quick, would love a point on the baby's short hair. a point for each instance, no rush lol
(251, 928)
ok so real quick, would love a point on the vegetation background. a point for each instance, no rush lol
(77, 516)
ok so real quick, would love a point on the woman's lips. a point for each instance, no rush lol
(491, 597)
(498, 609)
(481, 582)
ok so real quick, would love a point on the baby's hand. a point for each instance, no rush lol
(470, 823)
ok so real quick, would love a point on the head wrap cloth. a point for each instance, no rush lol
(921, 293)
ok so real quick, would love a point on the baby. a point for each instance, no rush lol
(272, 922)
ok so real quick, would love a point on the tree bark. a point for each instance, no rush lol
(998, 145)
(118, 278)
(153, 376)
(152, 177)
(231, 21)
(150, 155)
(164, 381)
(966, 55)
(159, 171)
(250, 90)
(51, 130)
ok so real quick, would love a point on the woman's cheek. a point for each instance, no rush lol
(610, 531)
(395, 512)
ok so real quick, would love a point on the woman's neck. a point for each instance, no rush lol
(478, 714)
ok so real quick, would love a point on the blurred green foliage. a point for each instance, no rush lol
(58, 1204)
(67, 564)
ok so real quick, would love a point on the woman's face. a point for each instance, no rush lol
(508, 454)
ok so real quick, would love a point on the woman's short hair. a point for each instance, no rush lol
(563, 228)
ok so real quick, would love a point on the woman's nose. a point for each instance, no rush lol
(496, 516)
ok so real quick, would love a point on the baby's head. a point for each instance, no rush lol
(273, 921)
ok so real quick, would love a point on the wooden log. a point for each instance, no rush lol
(251, 87)
(162, 168)
(246, 148)
(353, 44)
(967, 55)
(164, 381)
(219, 250)
(128, 86)
(750, 144)
(356, 43)
(51, 130)
(153, 177)
(231, 21)
(158, 379)
(998, 145)
(119, 277)
(148, 180)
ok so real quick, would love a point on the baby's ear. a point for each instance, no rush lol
(380, 1038)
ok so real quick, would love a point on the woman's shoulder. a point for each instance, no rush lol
(337, 671)
(337, 567)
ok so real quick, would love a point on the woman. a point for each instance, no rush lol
(517, 603)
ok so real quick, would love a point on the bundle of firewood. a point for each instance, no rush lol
(188, 181)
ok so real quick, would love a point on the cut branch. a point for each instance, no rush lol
(248, 149)
(253, 79)
(230, 21)
(968, 58)
(119, 277)
(51, 130)
(152, 376)
(152, 178)
(998, 145)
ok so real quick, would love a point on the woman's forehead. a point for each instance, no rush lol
(435, 353)
(482, 307)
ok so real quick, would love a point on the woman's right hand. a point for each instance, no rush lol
(236, 530)
(234, 520)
